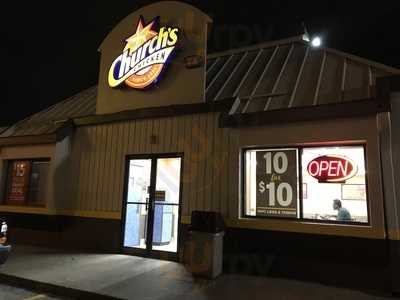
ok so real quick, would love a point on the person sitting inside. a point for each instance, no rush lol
(3, 232)
(343, 213)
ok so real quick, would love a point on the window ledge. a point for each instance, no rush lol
(303, 226)
(24, 209)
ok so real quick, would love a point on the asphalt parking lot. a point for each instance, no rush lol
(14, 293)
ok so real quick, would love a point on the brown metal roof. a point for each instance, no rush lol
(282, 74)
(49, 120)
(290, 73)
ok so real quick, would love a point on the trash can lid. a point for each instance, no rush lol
(207, 221)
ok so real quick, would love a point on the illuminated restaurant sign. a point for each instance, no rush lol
(332, 168)
(145, 55)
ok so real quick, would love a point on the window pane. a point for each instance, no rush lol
(165, 230)
(336, 184)
(135, 225)
(38, 182)
(139, 180)
(271, 183)
(166, 206)
(168, 180)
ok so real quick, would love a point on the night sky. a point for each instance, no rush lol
(49, 48)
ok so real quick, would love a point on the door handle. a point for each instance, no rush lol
(150, 200)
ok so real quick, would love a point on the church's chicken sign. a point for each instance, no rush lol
(145, 55)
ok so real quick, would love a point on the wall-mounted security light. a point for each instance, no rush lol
(306, 37)
(316, 42)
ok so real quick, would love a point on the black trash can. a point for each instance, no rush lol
(204, 244)
(4, 253)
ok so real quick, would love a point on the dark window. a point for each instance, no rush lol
(27, 182)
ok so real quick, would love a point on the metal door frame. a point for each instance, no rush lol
(148, 252)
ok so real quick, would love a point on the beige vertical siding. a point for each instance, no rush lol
(98, 155)
(223, 160)
(211, 168)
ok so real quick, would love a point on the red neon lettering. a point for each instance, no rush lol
(333, 168)
(313, 168)
(323, 166)
(343, 169)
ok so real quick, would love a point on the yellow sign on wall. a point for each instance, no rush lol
(145, 55)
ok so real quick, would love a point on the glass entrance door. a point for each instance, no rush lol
(152, 205)
(137, 203)
(166, 204)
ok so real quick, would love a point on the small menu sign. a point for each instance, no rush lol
(19, 181)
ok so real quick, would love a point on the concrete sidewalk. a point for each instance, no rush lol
(111, 276)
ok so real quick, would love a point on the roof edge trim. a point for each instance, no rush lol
(155, 112)
(363, 107)
(28, 140)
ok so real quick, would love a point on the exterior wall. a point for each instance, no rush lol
(389, 126)
(394, 229)
(52, 225)
(25, 152)
(314, 133)
(87, 170)
(98, 154)
(63, 149)
(211, 170)
(86, 188)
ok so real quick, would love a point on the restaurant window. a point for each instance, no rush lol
(324, 184)
(27, 182)
(336, 179)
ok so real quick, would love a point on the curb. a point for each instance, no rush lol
(52, 289)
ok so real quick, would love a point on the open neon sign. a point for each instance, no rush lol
(332, 168)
